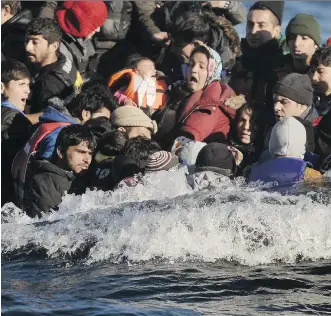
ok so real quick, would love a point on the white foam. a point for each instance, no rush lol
(163, 219)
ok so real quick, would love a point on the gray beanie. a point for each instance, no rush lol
(296, 87)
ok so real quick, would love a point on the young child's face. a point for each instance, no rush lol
(321, 80)
(16, 92)
(146, 69)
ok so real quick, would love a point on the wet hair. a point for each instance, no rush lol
(201, 49)
(74, 135)
(247, 108)
(48, 28)
(322, 56)
(112, 143)
(15, 6)
(13, 70)
(139, 149)
(92, 99)
(258, 6)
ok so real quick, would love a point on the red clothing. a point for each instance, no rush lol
(205, 114)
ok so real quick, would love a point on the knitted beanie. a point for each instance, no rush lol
(131, 116)
(215, 157)
(324, 128)
(81, 18)
(288, 138)
(296, 87)
(276, 7)
(304, 24)
(161, 160)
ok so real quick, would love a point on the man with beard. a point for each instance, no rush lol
(48, 180)
(55, 75)
(253, 74)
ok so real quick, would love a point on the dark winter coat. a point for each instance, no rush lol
(13, 36)
(254, 74)
(15, 132)
(56, 79)
(45, 187)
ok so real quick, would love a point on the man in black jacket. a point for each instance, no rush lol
(56, 75)
(47, 181)
(13, 25)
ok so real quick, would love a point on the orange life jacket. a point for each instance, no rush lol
(22, 158)
(161, 88)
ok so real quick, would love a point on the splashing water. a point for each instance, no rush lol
(162, 219)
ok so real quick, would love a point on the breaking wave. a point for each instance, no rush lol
(163, 219)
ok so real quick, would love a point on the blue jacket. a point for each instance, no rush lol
(284, 171)
(50, 115)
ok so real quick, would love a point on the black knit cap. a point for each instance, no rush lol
(324, 128)
(296, 87)
(276, 7)
(215, 157)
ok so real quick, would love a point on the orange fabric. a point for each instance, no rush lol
(161, 88)
(312, 175)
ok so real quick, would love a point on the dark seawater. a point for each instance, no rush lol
(161, 249)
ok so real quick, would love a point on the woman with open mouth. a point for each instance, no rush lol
(196, 107)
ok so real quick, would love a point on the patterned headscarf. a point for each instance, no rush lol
(215, 66)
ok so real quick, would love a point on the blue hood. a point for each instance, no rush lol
(52, 115)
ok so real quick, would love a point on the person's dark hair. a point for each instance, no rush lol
(201, 49)
(13, 70)
(92, 99)
(134, 60)
(190, 27)
(206, 27)
(112, 143)
(139, 149)
(15, 6)
(48, 28)
(73, 135)
(322, 56)
(259, 6)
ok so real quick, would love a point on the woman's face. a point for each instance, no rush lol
(246, 127)
(197, 72)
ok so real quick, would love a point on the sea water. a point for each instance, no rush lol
(162, 249)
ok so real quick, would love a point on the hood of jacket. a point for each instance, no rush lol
(57, 112)
(40, 166)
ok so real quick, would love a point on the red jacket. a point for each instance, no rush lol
(205, 114)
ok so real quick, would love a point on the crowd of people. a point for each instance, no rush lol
(95, 95)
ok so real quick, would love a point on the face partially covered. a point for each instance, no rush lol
(285, 107)
(261, 27)
(16, 92)
(246, 127)
(78, 158)
(197, 72)
(146, 69)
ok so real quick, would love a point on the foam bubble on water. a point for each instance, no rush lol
(227, 223)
